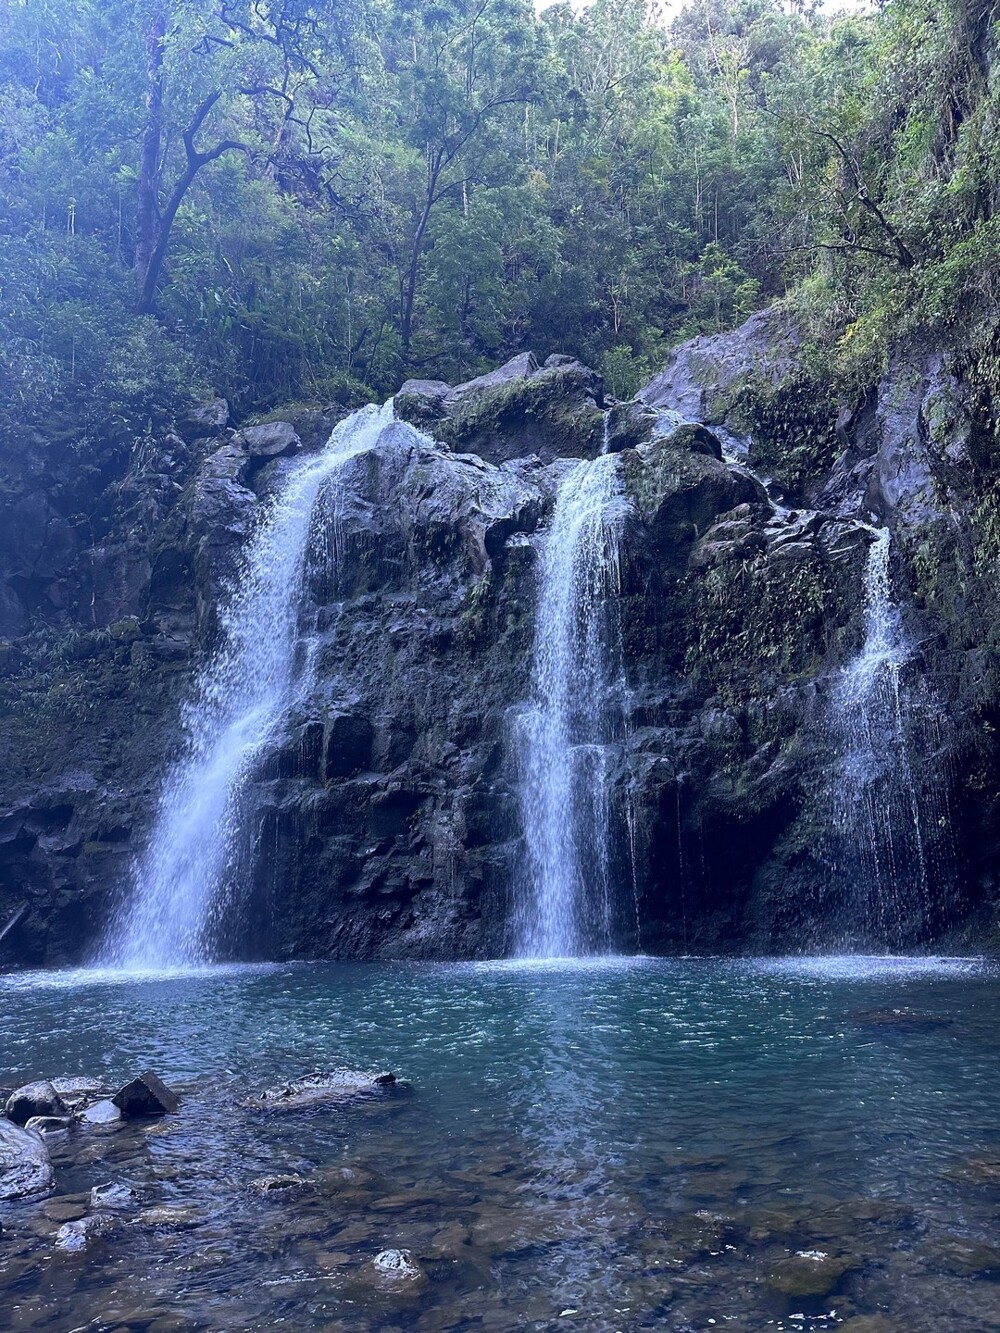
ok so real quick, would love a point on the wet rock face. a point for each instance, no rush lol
(386, 818)
(700, 374)
(552, 410)
(34, 1100)
(25, 1168)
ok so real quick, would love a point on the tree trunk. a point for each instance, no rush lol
(147, 292)
(410, 287)
(147, 209)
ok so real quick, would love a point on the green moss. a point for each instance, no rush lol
(793, 426)
(548, 405)
(663, 472)
(475, 621)
(756, 621)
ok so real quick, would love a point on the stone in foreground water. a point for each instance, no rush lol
(34, 1099)
(25, 1167)
(145, 1095)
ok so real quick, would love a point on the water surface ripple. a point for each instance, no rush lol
(600, 1144)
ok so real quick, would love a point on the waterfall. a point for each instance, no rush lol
(566, 735)
(183, 881)
(879, 848)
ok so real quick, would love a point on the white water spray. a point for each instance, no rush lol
(879, 851)
(181, 884)
(566, 736)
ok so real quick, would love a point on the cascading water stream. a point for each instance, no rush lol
(567, 733)
(879, 852)
(181, 883)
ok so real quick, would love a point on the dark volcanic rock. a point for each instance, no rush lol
(145, 1095)
(520, 367)
(206, 419)
(421, 401)
(270, 440)
(700, 374)
(25, 1168)
(386, 816)
(313, 1090)
(34, 1099)
(520, 409)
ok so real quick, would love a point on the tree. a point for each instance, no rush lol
(463, 69)
(241, 61)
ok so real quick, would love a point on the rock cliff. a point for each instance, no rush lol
(385, 823)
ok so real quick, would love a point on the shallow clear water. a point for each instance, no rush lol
(625, 1144)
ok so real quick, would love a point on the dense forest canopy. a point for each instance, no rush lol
(280, 200)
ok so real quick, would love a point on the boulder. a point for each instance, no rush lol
(421, 401)
(523, 409)
(25, 1168)
(700, 375)
(270, 440)
(679, 489)
(520, 367)
(628, 425)
(144, 1096)
(33, 1100)
(205, 419)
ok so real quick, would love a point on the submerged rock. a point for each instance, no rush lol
(964, 1257)
(32, 1100)
(116, 1194)
(49, 1124)
(25, 1167)
(398, 1266)
(810, 1273)
(145, 1095)
(175, 1217)
(394, 1261)
(277, 1184)
(318, 1089)
(900, 1020)
(66, 1209)
(101, 1113)
(73, 1237)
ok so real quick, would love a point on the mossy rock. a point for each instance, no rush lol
(679, 490)
(548, 414)
(792, 425)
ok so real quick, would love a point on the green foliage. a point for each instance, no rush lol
(407, 187)
(792, 426)
(623, 371)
